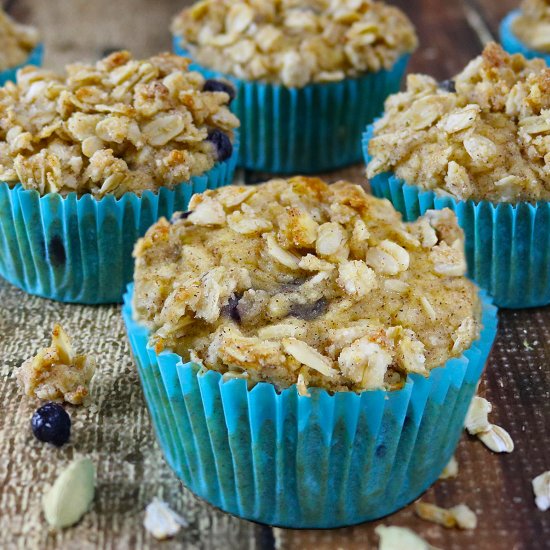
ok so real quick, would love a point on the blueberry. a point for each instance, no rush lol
(308, 312)
(447, 85)
(212, 85)
(51, 424)
(231, 309)
(222, 143)
(181, 215)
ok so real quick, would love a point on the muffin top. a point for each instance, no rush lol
(119, 125)
(16, 42)
(532, 26)
(485, 135)
(294, 42)
(299, 282)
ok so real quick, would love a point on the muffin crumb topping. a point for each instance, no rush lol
(486, 138)
(119, 125)
(299, 282)
(295, 42)
(57, 372)
(532, 26)
(16, 42)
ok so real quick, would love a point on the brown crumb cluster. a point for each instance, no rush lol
(16, 42)
(483, 136)
(57, 372)
(295, 42)
(119, 125)
(299, 282)
(532, 26)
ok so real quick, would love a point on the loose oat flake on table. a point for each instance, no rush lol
(460, 516)
(57, 372)
(161, 521)
(451, 470)
(477, 423)
(16, 41)
(486, 136)
(541, 488)
(301, 282)
(400, 538)
(295, 42)
(120, 125)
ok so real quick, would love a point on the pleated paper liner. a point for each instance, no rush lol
(512, 44)
(507, 245)
(323, 461)
(79, 249)
(306, 130)
(35, 58)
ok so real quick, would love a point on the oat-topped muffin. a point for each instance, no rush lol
(16, 41)
(301, 282)
(295, 42)
(532, 26)
(119, 125)
(485, 135)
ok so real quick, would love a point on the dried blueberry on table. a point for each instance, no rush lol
(447, 85)
(212, 85)
(222, 143)
(51, 424)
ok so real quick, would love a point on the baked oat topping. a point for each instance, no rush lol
(287, 282)
(119, 125)
(57, 372)
(16, 42)
(460, 516)
(532, 26)
(294, 42)
(488, 140)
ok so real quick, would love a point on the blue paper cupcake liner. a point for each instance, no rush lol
(512, 44)
(323, 461)
(507, 245)
(306, 130)
(35, 58)
(79, 249)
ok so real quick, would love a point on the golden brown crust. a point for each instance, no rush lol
(301, 282)
(488, 140)
(295, 42)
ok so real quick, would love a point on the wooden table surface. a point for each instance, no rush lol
(115, 431)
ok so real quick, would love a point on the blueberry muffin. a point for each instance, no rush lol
(16, 42)
(289, 61)
(90, 159)
(479, 144)
(298, 282)
(530, 26)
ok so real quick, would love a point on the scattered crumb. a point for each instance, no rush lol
(161, 521)
(57, 372)
(400, 538)
(526, 345)
(451, 470)
(70, 496)
(541, 488)
(477, 423)
(460, 516)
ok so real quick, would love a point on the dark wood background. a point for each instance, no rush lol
(116, 430)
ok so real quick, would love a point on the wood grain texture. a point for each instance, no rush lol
(116, 432)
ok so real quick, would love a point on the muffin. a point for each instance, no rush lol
(309, 74)
(480, 145)
(527, 30)
(19, 46)
(294, 336)
(90, 159)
